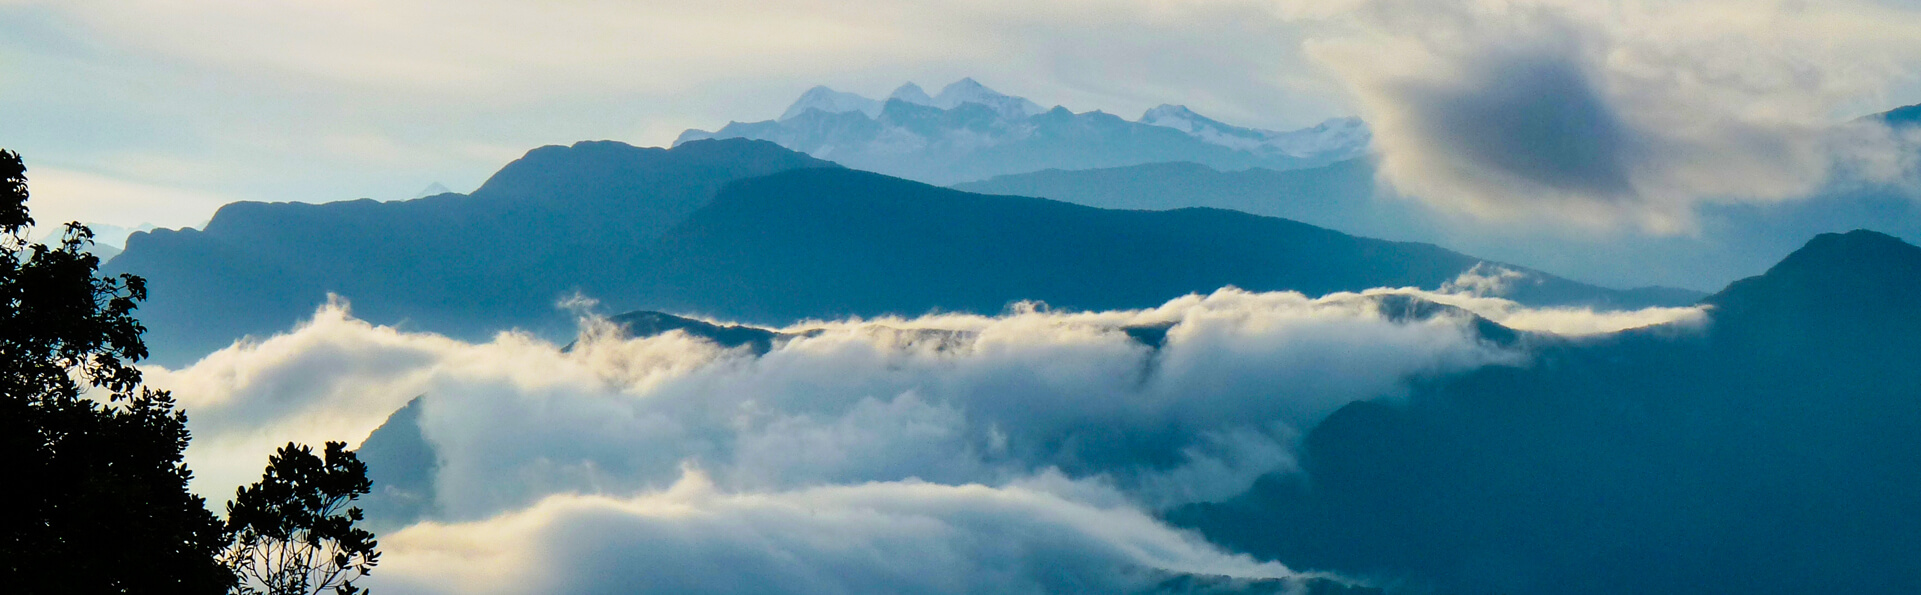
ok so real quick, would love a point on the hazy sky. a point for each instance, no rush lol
(132, 111)
(188, 104)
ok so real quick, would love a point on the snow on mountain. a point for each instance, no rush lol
(912, 93)
(968, 90)
(434, 189)
(971, 132)
(1348, 136)
(831, 101)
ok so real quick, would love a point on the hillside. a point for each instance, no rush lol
(1771, 452)
(467, 265)
(704, 228)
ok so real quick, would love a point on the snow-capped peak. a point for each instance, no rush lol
(434, 189)
(911, 93)
(1177, 117)
(968, 90)
(1338, 138)
(831, 101)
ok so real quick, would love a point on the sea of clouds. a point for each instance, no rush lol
(1024, 452)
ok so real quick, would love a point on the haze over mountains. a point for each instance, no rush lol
(970, 132)
(1192, 381)
(1734, 240)
(1140, 297)
(741, 230)
(981, 140)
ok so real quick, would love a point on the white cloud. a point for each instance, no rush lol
(944, 398)
(1085, 430)
(1614, 113)
(892, 537)
(1479, 290)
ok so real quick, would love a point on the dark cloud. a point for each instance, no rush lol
(1612, 114)
(1535, 118)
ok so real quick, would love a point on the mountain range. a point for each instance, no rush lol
(970, 132)
(1732, 240)
(1768, 445)
(741, 230)
(1771, 452)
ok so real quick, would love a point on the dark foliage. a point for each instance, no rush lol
(294, 531)
(97, 492)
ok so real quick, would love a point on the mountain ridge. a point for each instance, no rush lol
(969, 131)
(690, 229)
(1733, 241)
(1768, 451)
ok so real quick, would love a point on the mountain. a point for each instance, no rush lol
(1904, 116)
(1771, 451)
(1333, 137)
(737, 230)
(830, 101)
(648, 323)
(970, 132)
(813, 243)
(1339, 196)
(911, 93)
(461, 264)
(108, 239)
(1733, 240)
(434, 189)
(401, 463)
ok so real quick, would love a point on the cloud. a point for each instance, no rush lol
(1079, 424)
(945, 398)
(1479, 290)
(1615, 114)
(891, 537)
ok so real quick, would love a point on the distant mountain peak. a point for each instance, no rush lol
(911, 93)
(647, 323)
(970, 131)
(968, 90)
(1167, 110)
(830, 101)
(434, 189)
(965, 86)
(1348, 136)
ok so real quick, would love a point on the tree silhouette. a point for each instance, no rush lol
(97, 498)
(293, 532)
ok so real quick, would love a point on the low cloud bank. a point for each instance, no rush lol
(981, 430)
(894, 537)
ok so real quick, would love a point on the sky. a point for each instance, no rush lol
(151, 111)
(191, 104)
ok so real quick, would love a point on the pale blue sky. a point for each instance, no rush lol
(132, 111)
